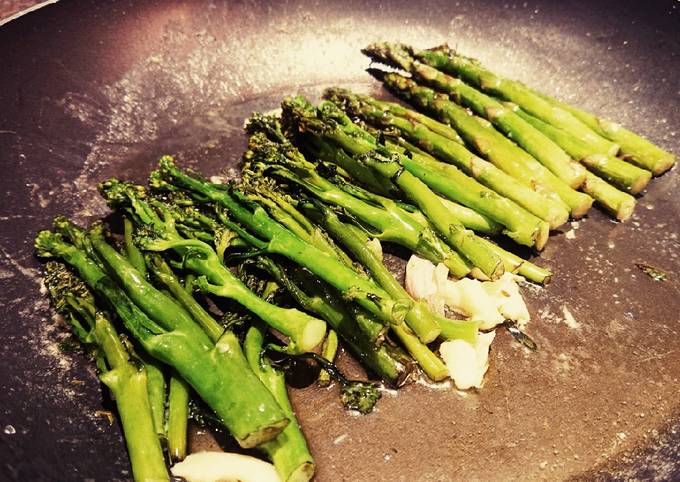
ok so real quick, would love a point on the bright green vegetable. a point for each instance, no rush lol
(490, 143)
(126, 379)
(218, 372)
(542, 148)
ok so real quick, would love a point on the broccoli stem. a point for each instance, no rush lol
(130, 390)
(156, 388)
(355, 241)
(126, 380)
(356, 331)
(183, 294)
(178, 417)
(288, 451)
(131, 250)
(328, 351)
(280, 240)
(218, 372)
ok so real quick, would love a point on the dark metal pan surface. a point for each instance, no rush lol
(96, 88)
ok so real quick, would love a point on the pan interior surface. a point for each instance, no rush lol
(96, 89)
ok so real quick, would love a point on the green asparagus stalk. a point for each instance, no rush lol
(553, 211)
(542, 148)
(126, 379)
(490, 143)
(619, 203)
(434, 125)
(512, 263)
(446, 60)
(515, 264)
(470, 218)
(635, 149)
(448, 226)
(276, 239)
(521, 225)
(623, 175)
(218, 372)
(178, 417)
(429, 245)
(333, 125)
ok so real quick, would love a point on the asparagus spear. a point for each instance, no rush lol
(521, 225)
(532, 140)
(625, 176)
(512, 262)
(276, 239)
(619, 203)
(126, 379)
(542, 205)
(490, 143)
(333, 125)
(218, 372)
(445, 59)
(635, 149)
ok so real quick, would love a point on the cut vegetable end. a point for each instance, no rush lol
(558, 220)
(439, 375)
(614, 149)
(265, 434)
(429, 336)
(542, 235)
(640, 183)
(664, 164)
(581, 210)
(535, 273)
(477, 273)
(625, 209)
(313, 335)
(304, 473)
(578, 180)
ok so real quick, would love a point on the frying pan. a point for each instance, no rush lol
(97, 88)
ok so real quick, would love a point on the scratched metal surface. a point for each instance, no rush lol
(91, 89)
